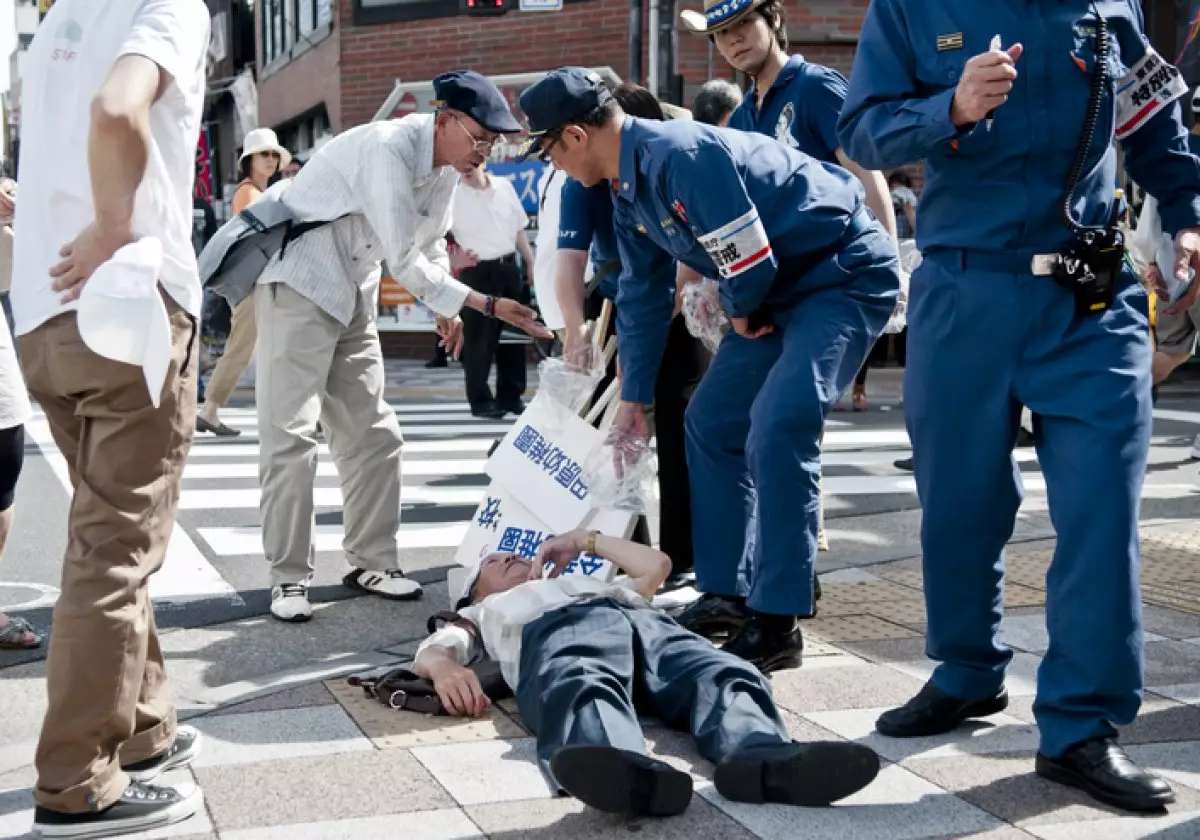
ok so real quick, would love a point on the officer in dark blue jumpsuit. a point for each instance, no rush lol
(586, 229)
(998, 320)
(808, 279)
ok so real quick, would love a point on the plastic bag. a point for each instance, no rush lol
(568, 384)
(702, 313)
(1151, 245)
(910, 258)
(623, 473)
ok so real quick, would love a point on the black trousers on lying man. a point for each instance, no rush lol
(585, 657)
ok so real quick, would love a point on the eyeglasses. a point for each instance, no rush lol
(482, 146)
(274, 155)
(548, 141)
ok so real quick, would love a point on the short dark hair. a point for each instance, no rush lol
(900, 177)
(600, 115)
(772, 12)
(637, 101)
(717, 99)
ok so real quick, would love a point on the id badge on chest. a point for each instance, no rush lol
(1091, 268)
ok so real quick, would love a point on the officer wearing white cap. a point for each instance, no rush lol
(389, 185)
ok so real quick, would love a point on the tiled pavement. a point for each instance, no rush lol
(322, 761)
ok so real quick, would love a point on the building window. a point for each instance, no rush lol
(367, 12)
(287, 23)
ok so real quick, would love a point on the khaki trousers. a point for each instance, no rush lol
(108, 699)
(239, 350)
(312, 368)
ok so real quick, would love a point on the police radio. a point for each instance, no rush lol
(1092, 265)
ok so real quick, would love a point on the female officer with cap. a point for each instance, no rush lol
(808, 279)
(1021, 300)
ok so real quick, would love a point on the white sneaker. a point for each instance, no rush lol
(392, 584)
(289, 602)
(1196, 449)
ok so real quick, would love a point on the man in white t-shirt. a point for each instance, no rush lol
(489, 225)
(545, 263)
(113, 92)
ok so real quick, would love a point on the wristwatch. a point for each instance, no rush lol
(591, 542)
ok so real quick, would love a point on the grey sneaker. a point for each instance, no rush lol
(141, 807)
(181, 753)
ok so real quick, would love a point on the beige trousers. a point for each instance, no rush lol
(108, 699)
(239, 350)
(310, 369)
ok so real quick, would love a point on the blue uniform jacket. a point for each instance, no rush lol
(761, 216)
(801, 109)
(1002, 189)
(585, 222)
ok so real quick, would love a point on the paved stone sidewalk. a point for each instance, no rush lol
(321, 761)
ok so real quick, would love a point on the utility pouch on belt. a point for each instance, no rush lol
(1091, 268)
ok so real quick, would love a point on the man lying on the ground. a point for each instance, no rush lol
(576, 651)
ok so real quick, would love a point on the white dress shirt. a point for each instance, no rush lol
(488, 219)
(379, 182)
(502, 618)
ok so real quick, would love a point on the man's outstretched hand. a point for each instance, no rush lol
(521, 317)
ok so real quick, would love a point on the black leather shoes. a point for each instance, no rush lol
(1100, 768)
(713, 614)
(932, 712)
(488, 411)
(768, 650)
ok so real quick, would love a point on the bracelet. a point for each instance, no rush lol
(591, 542)
(489, 306)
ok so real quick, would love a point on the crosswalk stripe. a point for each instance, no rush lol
(248, 497)
(328, 468)
(231, 542)
(250, 421)
(205, 448)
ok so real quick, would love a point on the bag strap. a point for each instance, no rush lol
(447, 617)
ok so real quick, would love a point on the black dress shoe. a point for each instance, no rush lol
(765, 648)
(511, 407)
(1100, 768)
(905, 464)
(933, 712)
(713, 614)
(815, 774)
(678, 580)
(621, 782)
(488, 412)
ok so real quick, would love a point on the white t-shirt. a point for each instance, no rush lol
(488, 220)
(545, 262)
(75, 48)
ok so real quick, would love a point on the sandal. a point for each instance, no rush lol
(218, 429)
(17, 634)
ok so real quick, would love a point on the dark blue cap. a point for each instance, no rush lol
(469, 93)
(562, 96)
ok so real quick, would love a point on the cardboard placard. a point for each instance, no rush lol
(540, 462)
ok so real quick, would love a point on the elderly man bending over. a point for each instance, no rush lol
(576, 652)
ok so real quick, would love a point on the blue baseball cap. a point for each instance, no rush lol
(560, 97)
(469, 93)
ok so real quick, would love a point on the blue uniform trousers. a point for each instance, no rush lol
(981, 344)
(754, 430)
(584, 668)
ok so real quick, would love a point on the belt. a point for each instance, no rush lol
(507, 259)
(970, 259)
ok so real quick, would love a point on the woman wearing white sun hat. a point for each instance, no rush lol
(262, 158)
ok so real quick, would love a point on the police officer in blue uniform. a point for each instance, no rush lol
(1021, 300)
(808, 279)
(586, 230)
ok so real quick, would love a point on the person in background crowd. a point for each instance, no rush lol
(204, 226)
(808, 286)
(15, 410)
(261, 160)
(1018, 301)
(588, 235)
(107, 160)
(576, 652)
(904, 204)
(489, 227)
(795, 101)
(292, 168)
(716, 101)
(389, 185)
(545, 258)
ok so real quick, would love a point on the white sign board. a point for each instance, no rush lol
(541, 5)
(503, 525)
(540, 462)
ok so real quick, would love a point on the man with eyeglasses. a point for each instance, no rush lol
(390, 187)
